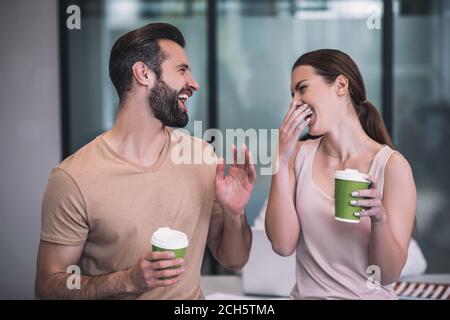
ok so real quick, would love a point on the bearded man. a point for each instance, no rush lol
(103, 203)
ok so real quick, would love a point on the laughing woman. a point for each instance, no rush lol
(335, 260)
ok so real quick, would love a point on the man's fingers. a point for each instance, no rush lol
(252, 173)
(159, 255)
(166, 273)
(234, 152)
(241, 158)
(163, 264)
(154, 282)
(246, 155)
(148, 255)
(238, 158)
(220, 169)
(157, 265)
(168, 282)
(250, 167)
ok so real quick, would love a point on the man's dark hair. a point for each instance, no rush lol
(140, 45)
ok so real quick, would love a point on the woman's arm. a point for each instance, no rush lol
(392, 218)
(282, 224)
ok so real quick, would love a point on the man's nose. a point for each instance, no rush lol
(193, 85)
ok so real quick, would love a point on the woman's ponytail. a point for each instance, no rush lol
(373, 123)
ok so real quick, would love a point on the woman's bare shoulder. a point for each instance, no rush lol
(398, 168)
(398, 161)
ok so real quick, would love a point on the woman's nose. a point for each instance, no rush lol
(298, 99)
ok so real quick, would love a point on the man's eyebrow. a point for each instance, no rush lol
(184, 65)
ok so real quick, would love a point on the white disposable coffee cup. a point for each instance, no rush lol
(169, 239)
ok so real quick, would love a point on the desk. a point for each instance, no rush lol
(229, 287)
(443, 278)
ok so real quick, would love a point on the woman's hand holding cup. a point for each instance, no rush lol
(372, 204)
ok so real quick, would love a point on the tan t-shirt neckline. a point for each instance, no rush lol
(150, 168)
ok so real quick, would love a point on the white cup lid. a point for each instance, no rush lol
(167, 238)
(351, 175)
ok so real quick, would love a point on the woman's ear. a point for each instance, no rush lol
(341, 83)
(142, 74)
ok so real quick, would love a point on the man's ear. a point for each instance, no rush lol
(142, 74)
(341, 84)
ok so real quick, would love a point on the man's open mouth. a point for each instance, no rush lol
(182, 97)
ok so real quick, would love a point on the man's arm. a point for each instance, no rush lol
(54, 259)
(230, 239)
(51, 279)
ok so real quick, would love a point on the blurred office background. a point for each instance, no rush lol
(55, 92)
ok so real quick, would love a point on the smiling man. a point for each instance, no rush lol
(103, 203)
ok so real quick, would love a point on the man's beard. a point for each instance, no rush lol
(163, 102)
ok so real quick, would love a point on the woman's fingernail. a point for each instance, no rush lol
(357, 214)
(353, 202)
(355, 193)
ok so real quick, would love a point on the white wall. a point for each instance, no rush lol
(29, 134)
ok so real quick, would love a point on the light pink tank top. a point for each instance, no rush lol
(332, 257)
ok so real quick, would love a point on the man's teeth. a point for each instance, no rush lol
(183, 96)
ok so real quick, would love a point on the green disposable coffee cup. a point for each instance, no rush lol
(166, 239)
(179, 253)
(345, 182)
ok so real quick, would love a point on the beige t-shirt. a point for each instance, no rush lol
(98, 199)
